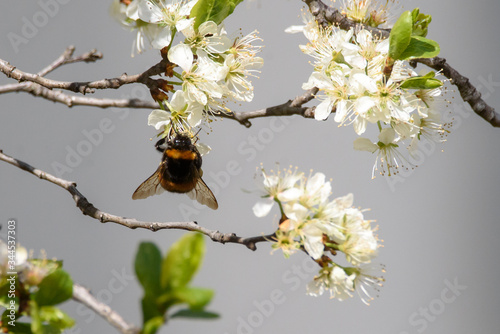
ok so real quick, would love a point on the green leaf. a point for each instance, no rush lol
(153, 325)
(36, 321)
(196, 298)
(48, 329)
(400, 35)
(420, 23)
(420, 47)
(167, 300)
(55, 288)
(56, 317)
(212, 10)
(182, 261)
(6, 293)
(150, 308)
(424, 82)
(148, 267)
(187, 313)
(19, 328)
(7, 321)
(25, 328)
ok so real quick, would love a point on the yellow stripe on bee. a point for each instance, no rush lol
(177, 154)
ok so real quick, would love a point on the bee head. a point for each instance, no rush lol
(181, 140)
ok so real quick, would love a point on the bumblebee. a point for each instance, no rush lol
(179, 172)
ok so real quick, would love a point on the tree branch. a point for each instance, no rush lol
(84, 87)
(82, 295)
(326, 15)
(468, 91)
(38, 90)
(289, 108)
(37, 85)
(90, 210)
(72, 100)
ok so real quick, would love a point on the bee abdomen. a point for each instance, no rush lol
(180, 175)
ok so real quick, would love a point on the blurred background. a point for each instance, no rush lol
(440, 222)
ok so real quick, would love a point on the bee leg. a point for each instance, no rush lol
(159, 143)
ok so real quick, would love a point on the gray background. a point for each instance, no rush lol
(440, 223)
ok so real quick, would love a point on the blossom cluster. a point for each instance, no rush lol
(210, 68)
(322, 228)
(356, 84)
(370, 12)
(17, 257)
(31, 271)
(32, 288)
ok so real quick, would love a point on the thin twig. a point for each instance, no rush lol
(67, 58)
(90, 210)
(82, 295)
(327, 15)
(289, 108)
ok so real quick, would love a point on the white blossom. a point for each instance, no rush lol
(182, 115)
(128, 17)
(363, 87)
(170, 15)
(12, 259)
(387, 151)
(208, 37)
(336, 282)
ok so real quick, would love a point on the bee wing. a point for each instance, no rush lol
(149, 187)
(203, 194)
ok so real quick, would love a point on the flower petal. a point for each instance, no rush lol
(158, 118)
(183, 24)
(163, 39)
(132, 10)
(262, 208)
(149, 11)
(369, 83)
(181, 55)
(387, 136)
(291, 194)
(363, 104)
(294, 29)
(203, 148)
(178, 101)
(313, 242)
(323, 110)
(196, 115)
(365, 144)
